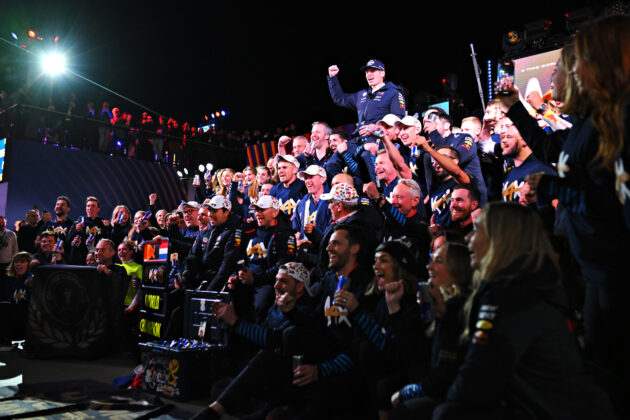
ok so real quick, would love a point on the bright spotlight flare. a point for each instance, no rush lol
(53, 63)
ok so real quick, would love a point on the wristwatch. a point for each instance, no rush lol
(542, 108)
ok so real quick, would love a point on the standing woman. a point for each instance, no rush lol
(522, 361)
(121, 223)
(14, 294)
(594, 189)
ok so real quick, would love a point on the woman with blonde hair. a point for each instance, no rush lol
(522, 360)
(594, 188)
(223, 181)
(121, 223)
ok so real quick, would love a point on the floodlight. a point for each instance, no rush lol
(209, 166)
(201, 168)
(54, 63)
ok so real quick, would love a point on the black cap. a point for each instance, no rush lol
(374, 64)
(403, 253)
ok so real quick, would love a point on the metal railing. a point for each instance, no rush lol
(78, 132)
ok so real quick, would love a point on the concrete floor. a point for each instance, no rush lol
(103, 370)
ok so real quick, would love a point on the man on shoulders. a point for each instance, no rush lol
(372, 104)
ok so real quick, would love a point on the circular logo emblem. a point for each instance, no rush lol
(66, 298)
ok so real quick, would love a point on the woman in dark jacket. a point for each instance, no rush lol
(450, 276)
(522, 361)
(14, 294)
(394, 349)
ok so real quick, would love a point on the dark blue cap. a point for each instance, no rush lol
(374, 64)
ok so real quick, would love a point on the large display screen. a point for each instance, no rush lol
(534, 72)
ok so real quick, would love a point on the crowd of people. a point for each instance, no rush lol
(112, 130)
(411, 269)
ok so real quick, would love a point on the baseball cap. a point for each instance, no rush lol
(341, 192)
(220, 202)
(410, 121)
(390, 119)
(312, 170)
(192, 204)
(287, 158)
(265, 202)
(374, 64)
(401, 252)
(298, 272)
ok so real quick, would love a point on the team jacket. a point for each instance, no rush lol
(220, 255)
(60, 229)
(269, 333)
(595, 225)
(308, 212)
(288, 196)
(469, 161)
(91, 227)
(265, 250)
(335, 323)
(522, 354)
(370, 107)
(515, 176)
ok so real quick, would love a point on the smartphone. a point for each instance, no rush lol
(505, 77)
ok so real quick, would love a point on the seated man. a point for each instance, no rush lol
(328, 380)
(345, 208)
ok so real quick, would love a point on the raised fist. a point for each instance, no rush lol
(333, 70)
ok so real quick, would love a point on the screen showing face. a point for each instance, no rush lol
(534, 72)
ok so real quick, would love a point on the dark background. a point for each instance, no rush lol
(265, 63)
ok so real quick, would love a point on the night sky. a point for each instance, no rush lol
(266, 64)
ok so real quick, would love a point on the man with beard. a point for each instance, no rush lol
(519, 161)
(445, 174)
(464, 202)
(268, 375)
(437, 124)
(62, 223)
(290, 189)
